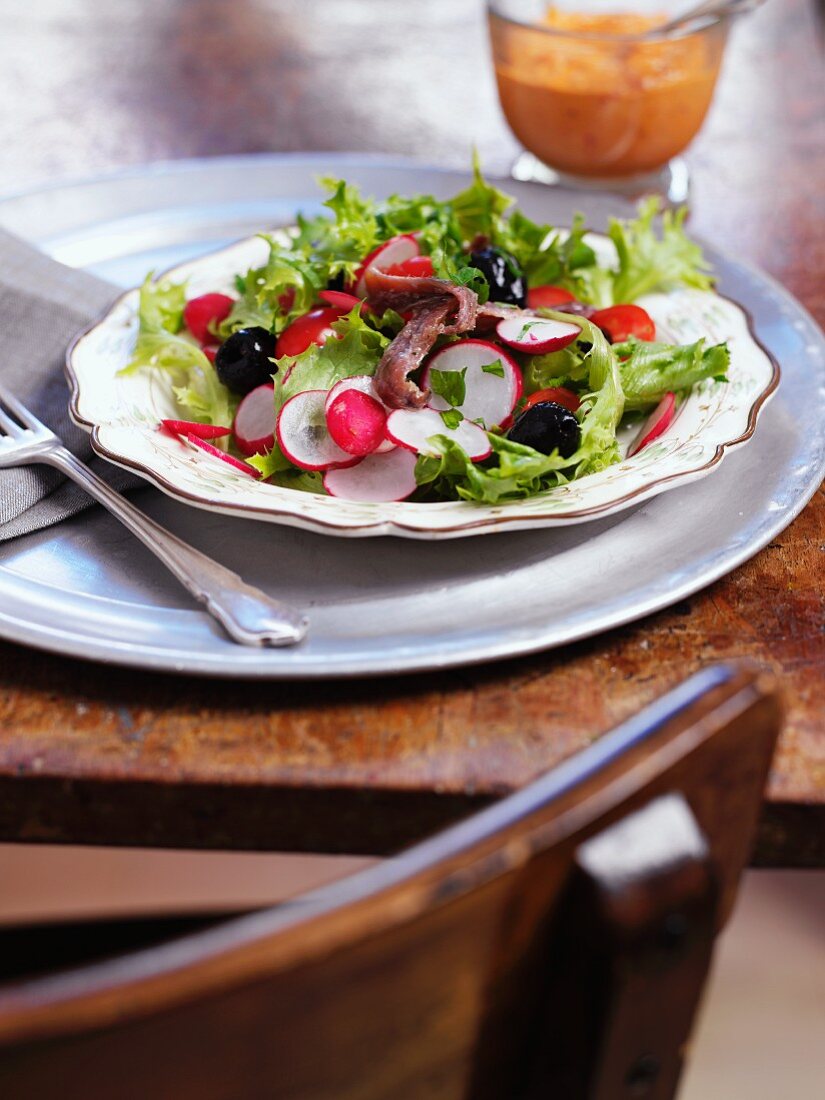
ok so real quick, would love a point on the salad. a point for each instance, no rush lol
(426, 350)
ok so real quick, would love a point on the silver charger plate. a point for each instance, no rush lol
(88, 589)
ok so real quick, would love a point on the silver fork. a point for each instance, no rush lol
(248, 615)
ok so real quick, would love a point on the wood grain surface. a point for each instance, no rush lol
(121, 757)
(555, 945)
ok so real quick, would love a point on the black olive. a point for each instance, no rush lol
(244, 360)
(546, 426)
(503, 274)
(336, 282)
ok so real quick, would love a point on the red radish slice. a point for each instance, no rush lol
(362, 382)
(339, 299)
(302, 433)
(376, 478)
(192, 427)
(394, 251)
(656, 424)
(536, 335)
(489, 396)
(413, 428)
(356, 421)
(205, 311)
(235, 463)
(254, 424)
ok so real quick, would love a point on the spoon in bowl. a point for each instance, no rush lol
(708, 9)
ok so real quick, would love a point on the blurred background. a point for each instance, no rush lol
(93, 87)
(189, 78)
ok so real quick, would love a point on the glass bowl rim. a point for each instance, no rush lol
(701, 25)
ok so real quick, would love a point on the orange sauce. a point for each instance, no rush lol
(604, 106)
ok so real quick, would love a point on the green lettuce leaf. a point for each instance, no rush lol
(161, 304)
(199, 393)
(358, 350)
(649, 370)
(355, 215)
(478, 209)
(556, 368)
(248, 311)
(648, 260)
(276, 468)
(339, 244)
(271, 463)
(546, 256)
(451, 265)
(304, 481)
(516, 471)
(262, 290)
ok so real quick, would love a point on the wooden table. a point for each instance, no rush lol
(96, 755)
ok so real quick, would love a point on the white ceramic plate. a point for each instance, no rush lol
(86, 589)
(123, 414)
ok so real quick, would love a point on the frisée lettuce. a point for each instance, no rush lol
(322, 259)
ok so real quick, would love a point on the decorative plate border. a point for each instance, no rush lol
(518, 516)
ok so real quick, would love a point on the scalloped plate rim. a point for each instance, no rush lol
(485, 524)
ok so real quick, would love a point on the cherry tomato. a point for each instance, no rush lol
(210, 351)
(545, 297)
(558, 394)
(314, 327)
(199, 313)
(420, 266)
(618, 323)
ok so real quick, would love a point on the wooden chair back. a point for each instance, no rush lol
(553, 945)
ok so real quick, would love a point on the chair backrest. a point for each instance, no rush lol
(553, 945)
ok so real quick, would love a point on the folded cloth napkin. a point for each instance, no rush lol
(42, 305)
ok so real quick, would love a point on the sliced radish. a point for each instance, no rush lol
(302, 433)
(235, 463)
(489, 396)
(339, 299)
(414, 428)
(254, 424)
(364, 383)
(536, 335)
(656, 424)
(356, 421)
(192, 427)
(394, 251)
(204, 312)
(378, 477)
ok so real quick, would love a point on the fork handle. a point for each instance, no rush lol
(247, 614)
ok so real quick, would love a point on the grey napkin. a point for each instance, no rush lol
(42, 305)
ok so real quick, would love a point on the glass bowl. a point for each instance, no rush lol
(600, 97)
